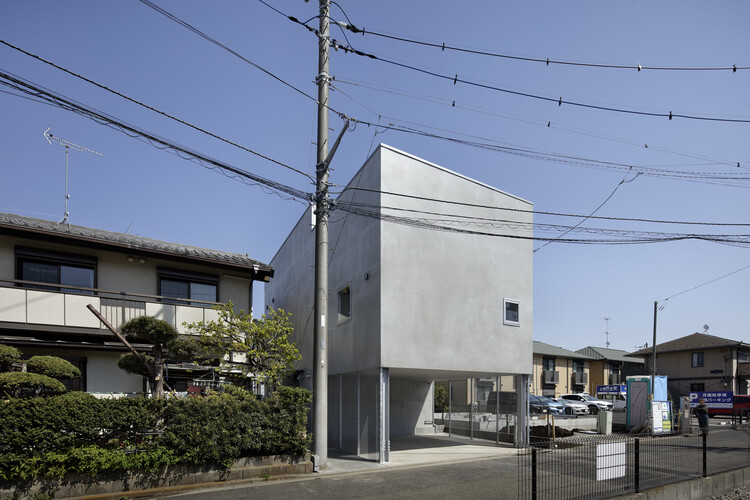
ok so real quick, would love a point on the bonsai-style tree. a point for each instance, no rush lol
(260, 349)
(164, 338)
(40, 377)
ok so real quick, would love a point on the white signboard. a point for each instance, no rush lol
(610, 461)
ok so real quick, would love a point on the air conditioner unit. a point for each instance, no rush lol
(580, 378)
(551, 377)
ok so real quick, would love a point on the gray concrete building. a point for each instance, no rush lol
(419, 290)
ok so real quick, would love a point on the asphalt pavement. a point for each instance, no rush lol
(433, 466)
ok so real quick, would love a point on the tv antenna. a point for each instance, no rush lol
(606, 331)
(67, 144)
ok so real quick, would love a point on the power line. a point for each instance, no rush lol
(454, 77)
(623, 181)
(706, 283)
(546, 124)
(547, 61)
(559, 101)
(741, 240)
(521, 210)
(221, 45)
(566, 159)
(102, 118)
(151, 108)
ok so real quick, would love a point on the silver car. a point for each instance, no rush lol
(573, 407)
(595, 405)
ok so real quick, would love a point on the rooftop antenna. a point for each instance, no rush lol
(67, 144)
(606, 332)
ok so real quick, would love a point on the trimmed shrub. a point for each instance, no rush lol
(52, 366)
(76, 432)
(28, 385)
(8, 356)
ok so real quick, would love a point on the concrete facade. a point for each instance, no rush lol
(420, 305)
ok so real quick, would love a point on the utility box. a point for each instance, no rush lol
(605, 422)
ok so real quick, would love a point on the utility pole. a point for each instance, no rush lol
(653, 350)
(320, 356)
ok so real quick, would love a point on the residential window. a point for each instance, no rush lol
(548, 364)
(345, 304)
(57, 269)
(697, 387)
(511, 312)
(187, 285)
(577, 366)
(697, 360)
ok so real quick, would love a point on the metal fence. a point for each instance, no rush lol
(614, 465)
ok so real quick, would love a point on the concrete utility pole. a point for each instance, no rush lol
(320, 356)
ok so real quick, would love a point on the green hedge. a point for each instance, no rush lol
(76, 432)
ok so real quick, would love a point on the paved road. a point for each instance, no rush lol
(661, 459)
(487, 478)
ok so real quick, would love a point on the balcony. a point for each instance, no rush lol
(551, 377)
(58, 306)
(580, 378)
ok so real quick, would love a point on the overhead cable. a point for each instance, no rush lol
(102, 118)
(151, 108)
(455, 79)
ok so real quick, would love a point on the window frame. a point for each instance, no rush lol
(511, 322)
(189, 277)
(59, 259)
(697, 387)
(697, 359)
(340, 318)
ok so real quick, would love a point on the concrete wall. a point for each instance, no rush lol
(442, 292)
(422, 301)
(410, 407)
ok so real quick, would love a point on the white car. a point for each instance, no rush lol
(595, 405)
(573, 407)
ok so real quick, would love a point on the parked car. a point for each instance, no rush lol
(595, 405)
(550, 405)
(618, 400)
(571, 407)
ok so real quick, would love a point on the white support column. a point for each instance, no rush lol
(384, 417)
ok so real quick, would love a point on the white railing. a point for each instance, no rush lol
(63, 307)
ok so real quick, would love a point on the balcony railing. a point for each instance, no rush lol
(25, 302)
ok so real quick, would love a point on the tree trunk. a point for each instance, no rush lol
(158, 372)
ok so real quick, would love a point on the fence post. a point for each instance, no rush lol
(637, 466)
(533, 473)
(704, 453)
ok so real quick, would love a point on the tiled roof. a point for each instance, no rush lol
(690, 342)
(543, 349)
(127, 241)
(608, 354)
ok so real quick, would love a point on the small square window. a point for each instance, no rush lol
(345, 304)
(511, 313)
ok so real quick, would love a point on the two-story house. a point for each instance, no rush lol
(701, 362)
(430, 278)
(51, 272)
(611, 366)
(559, 371)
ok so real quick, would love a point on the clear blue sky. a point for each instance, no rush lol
(131, 48)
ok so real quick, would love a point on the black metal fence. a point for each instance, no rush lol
(620, 464)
